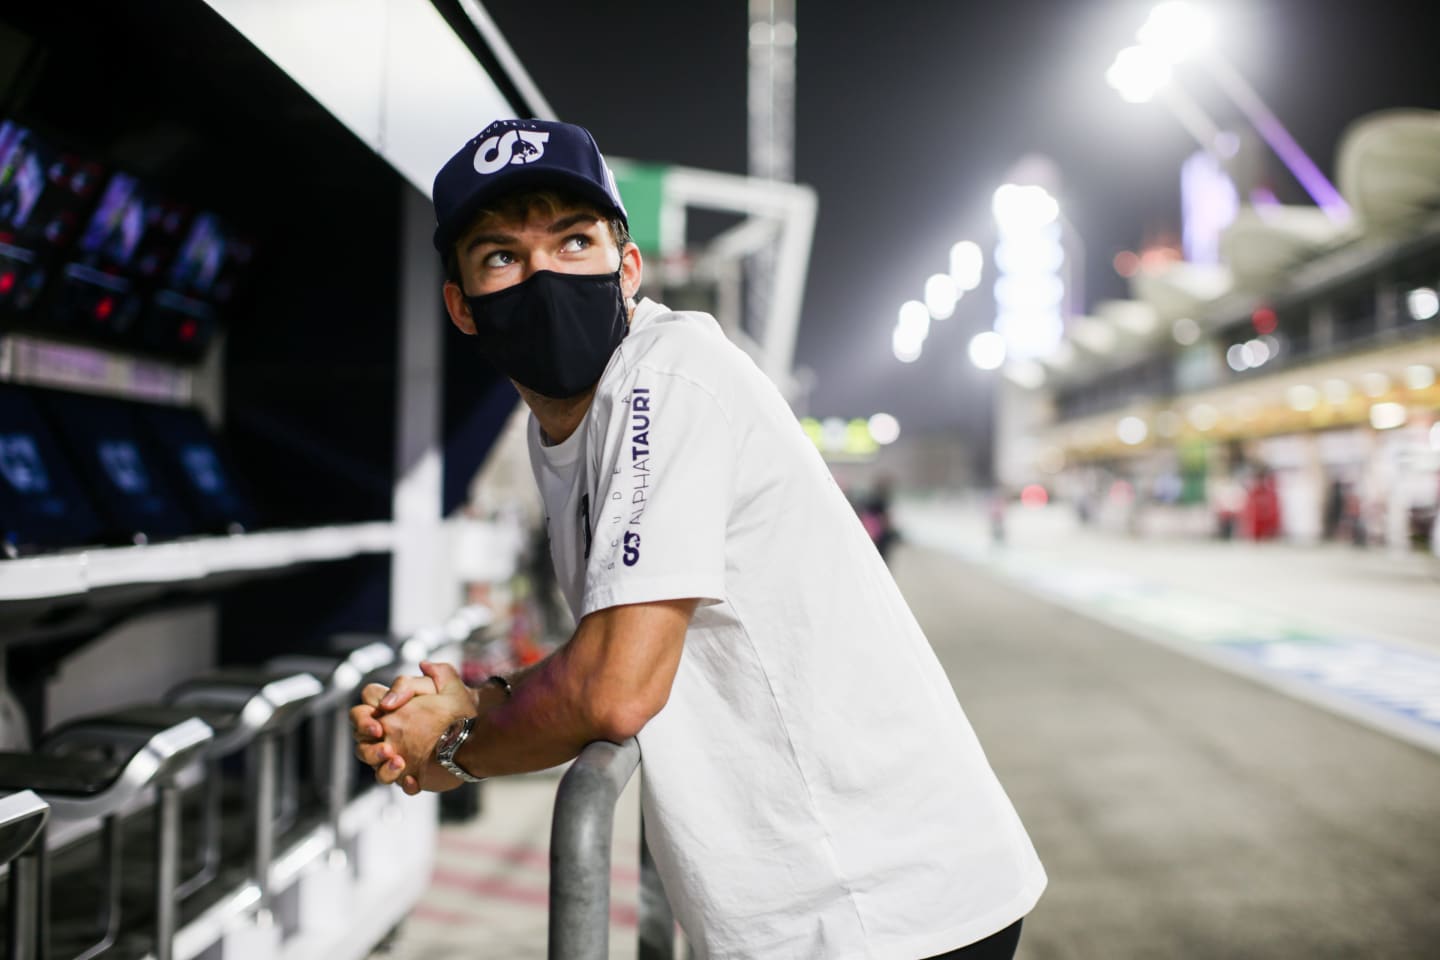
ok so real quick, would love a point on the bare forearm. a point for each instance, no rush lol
(605, 684)
(541, 725)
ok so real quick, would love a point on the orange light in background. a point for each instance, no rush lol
(1126, 263)
(1264, 320)
(1034, 495)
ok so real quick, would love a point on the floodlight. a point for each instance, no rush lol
(1138, 74)
(1020, 208)
(1177, 31)
(967, 262)
(915, 317)
(987, 350)
(906, 345)
(941, 295)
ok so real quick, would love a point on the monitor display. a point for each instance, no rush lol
(22, 178)
(113, 234)
(201, 255)
(42, 506)
(212, 262)
(127, 247)
(44, 195)
(204, 277)
(197, 464)
(118, 467)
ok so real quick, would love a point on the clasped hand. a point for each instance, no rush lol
(396, 727)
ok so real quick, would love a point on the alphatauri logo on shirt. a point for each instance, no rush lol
(640, 458)
(512, 146)
(632, 548)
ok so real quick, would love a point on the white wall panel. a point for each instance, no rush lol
(391, 70)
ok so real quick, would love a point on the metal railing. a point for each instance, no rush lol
(580, 839)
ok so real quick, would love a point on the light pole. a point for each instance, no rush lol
(1140, 75)
(1176, 32)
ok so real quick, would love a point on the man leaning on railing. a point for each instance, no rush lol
(812, 787)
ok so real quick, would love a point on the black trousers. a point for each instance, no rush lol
(997, 946)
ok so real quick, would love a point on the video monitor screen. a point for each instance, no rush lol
(22, 178)
(44, 195)
(196, 462)
(212, 262)
(206, 273)
(42, 506)
(115, 228)
(127, 247)
(118, 467)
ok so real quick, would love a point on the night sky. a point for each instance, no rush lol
(909, 114)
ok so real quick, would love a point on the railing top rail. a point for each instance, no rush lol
(580, 849)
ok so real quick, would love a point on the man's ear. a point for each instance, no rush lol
(458, 309)
(631, 269)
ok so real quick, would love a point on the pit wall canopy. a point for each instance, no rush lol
(393, 71)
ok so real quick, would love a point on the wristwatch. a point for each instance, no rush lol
(449, 742)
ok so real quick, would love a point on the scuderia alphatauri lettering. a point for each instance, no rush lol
(629, 514)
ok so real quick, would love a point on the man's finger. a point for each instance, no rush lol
(410, 785)
(364, 725)
(404, 689)
(444, 676)
(373, 694)
(374, 754)
(390, 771)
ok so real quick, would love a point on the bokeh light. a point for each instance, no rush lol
(987, 350)
(884, 428)
(1132, 431)
(941, 295)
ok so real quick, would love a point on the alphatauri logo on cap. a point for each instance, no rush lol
(512, 146)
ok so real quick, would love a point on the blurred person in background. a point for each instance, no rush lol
(798, 801)
(874, 512)
(1227, 500)
(1262, 506)
(996, 507)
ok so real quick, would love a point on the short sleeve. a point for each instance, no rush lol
(662, 496)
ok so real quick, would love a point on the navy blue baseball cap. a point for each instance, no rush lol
(511, 155)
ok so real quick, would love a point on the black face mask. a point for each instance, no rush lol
(552, 332)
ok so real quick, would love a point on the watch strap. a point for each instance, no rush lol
(450, 744)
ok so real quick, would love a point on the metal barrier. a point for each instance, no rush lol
(580, 861)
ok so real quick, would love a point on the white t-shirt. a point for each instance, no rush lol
(812, 788)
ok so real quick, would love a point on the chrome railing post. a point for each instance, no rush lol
(580, 849)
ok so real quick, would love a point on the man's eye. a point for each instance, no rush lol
(499, 258)
(576, 243)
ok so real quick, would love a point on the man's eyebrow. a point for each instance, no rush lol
(498, 239)
(565, 223)
(502, 239)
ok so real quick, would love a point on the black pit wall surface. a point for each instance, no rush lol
(167, 91)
